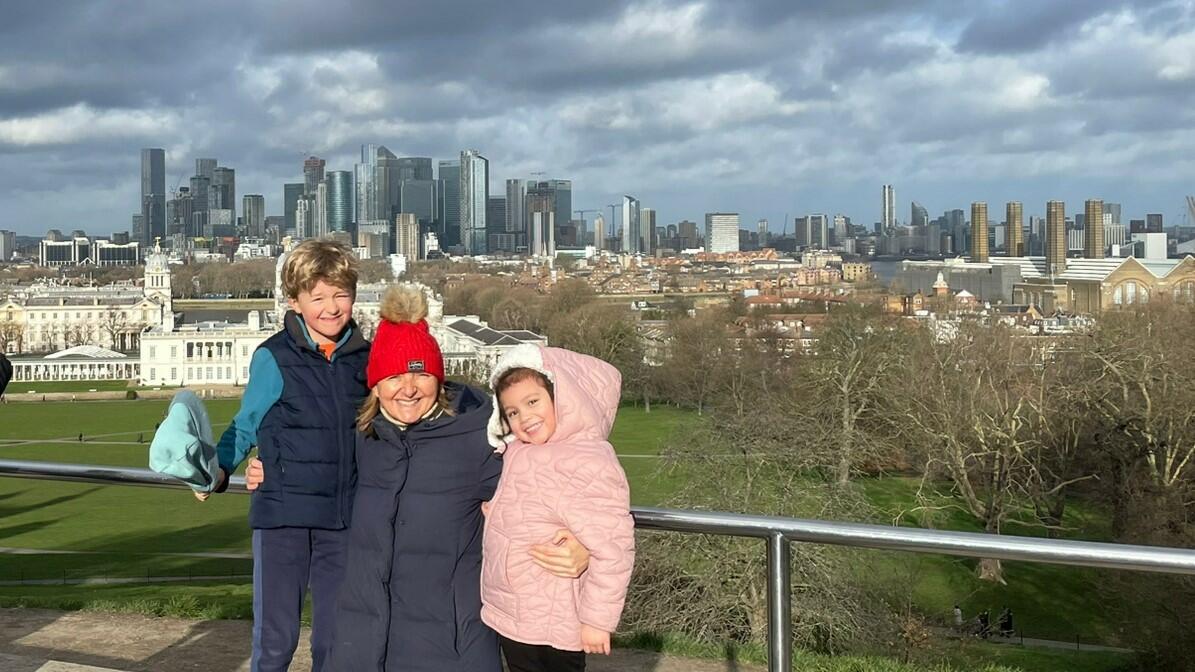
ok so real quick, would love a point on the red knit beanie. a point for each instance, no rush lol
(403, 343)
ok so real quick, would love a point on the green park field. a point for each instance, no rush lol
(54, 535)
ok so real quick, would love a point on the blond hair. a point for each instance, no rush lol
(314, 260)
(372, 406)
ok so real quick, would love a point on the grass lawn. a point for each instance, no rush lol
(43, 387)
(1048, 601)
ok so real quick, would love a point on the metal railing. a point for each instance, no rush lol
(778, 533)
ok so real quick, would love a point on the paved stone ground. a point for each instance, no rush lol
(40, 640)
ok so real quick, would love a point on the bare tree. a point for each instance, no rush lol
(113, 323)
(858, 368)
(11, 332)
(697, 356)
(972, 408)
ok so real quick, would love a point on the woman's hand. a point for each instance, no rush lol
(563, 556)
(255, 475)
(594, 640)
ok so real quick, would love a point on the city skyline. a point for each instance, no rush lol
(998, 102)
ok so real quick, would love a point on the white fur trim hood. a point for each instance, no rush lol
(523, 356)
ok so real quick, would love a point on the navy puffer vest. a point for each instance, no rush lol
(305, 441)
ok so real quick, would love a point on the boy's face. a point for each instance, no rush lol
(529, 410)
(325, 309)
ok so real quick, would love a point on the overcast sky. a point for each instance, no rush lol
(762, 107)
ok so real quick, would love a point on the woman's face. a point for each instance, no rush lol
(408, 397)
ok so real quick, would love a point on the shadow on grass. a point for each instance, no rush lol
(7, 511)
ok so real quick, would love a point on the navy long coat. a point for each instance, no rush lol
(411, 598)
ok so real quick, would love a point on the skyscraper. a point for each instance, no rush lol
(1055, 237)
(1014, 232)
(562, 200)
(253, 209)
(420, 198)
(406, 235)
(223, 192)
(722, 231)
(1114, 210)
(414, 168)
(1093, 234)
(647, 229)
(979, 232)
(291, 193)
(1153, 222)
(178, 213)
(920, 216)
(387, 180)
(631, 227)
(540, 210)
(761, 228)
(497, 239)
(313, 174)
(819, 229)
(305, 218)
(475, 195)
(599, 232)
(340, 200)
(516, 218)
(321, 209)
(205, 168)
(450, 202)
(200, 186)
(888, 207)
(153, 194)
(366, 196)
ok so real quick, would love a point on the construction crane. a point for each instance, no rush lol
(582, 213)
(1191, 207)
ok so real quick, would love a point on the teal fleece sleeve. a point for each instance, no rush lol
(263, 390)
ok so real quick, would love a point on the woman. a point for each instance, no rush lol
(411, 595)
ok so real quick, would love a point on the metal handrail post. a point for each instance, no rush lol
(780, 639)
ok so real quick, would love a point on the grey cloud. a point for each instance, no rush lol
(502, 76)
(1002, 28)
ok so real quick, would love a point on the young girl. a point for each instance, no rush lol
(553, 413)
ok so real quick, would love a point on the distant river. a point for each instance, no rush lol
(885, 271)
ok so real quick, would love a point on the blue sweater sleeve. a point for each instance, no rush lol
(263, 390)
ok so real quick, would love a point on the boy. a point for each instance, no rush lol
(299, 409)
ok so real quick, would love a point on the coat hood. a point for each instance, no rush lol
(183, 446)
(586, 392)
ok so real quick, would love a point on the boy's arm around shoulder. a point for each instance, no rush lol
(263, 390)
(595, 505)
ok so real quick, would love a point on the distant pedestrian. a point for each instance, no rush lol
(1005, 623)
(985, 624)
(958, 618)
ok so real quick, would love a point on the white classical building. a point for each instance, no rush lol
(47, 317)
(202, 353)
(175, 350)
(82, 362)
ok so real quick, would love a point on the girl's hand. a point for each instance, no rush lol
(255, 475)
(563, 556)
(594, 640)
(221, 476)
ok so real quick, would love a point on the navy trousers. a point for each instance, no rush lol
(286, 561)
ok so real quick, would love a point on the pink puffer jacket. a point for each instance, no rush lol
(574, 481)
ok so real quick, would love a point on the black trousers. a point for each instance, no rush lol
(522, 657)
